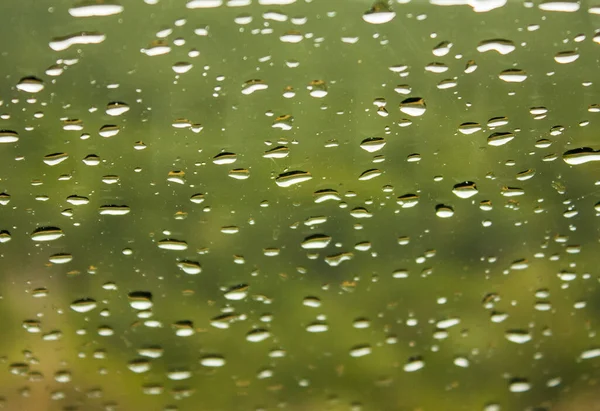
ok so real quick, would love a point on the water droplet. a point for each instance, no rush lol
(469, 128)
(444, 211)
(55, 158)
(277, 152)
(212, 361)
(251, 86)
(83, 305)
(450, 322)
(258, 335)
(8, 136)
(591, 353)
(140, 300)
(292, 177)
(98, 8)
(224, 158)
(360, 350)
(513, 76)
(237, 292)
(30, 84)
(317, 327)
(519, 385)
(317, 88)
(581, 156)
(171, 244)
(413, 106)
(562, 6)
(139, 365)
(499, 139)
(566, 57)
(466, 189)
(316, 241)
(414, 364)
(379, 13)
(189, 267)
(46, 234)
(116, 108)
(314, 302)
(518, 336)
(499, 45)
(114, 210)
(372, 144)
(370, 174)
(83, 37)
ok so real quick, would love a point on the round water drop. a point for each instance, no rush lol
(157, 48)
(140, 300)
(182, 67)
(55, 158)
(462, 362)
(370, 174)
(450, 322)
(46, 234)
(151, 351)
(189, 267)
(239, 173)
(171, 244)
(469, 128)
(237, 292)
(317, 88)
(520, 264)
(139, 365)
(114, 210)
(414, 364)
(292, 36)
(8, 136)
(444, 211)
(258, 335)
(591, 353)
(413, 106)
(408, 200)
(311, 302)
(466, 189)
(212, 361)
(277, 152)
(184, 328)
(566, 57)
(116, 108)
(30, 85)
(513, 76)
(316, 241)
(519, 385)
(292, 177)
(518, 336)
(83, 305)
(109, 130)
(360, 350)
(373, 144)
(379, 13)
(224, 158)
(499, 139)
(317, 327)
(61, 258)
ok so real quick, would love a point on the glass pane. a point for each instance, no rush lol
(299, 205)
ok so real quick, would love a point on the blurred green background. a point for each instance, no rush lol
(457, 267)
